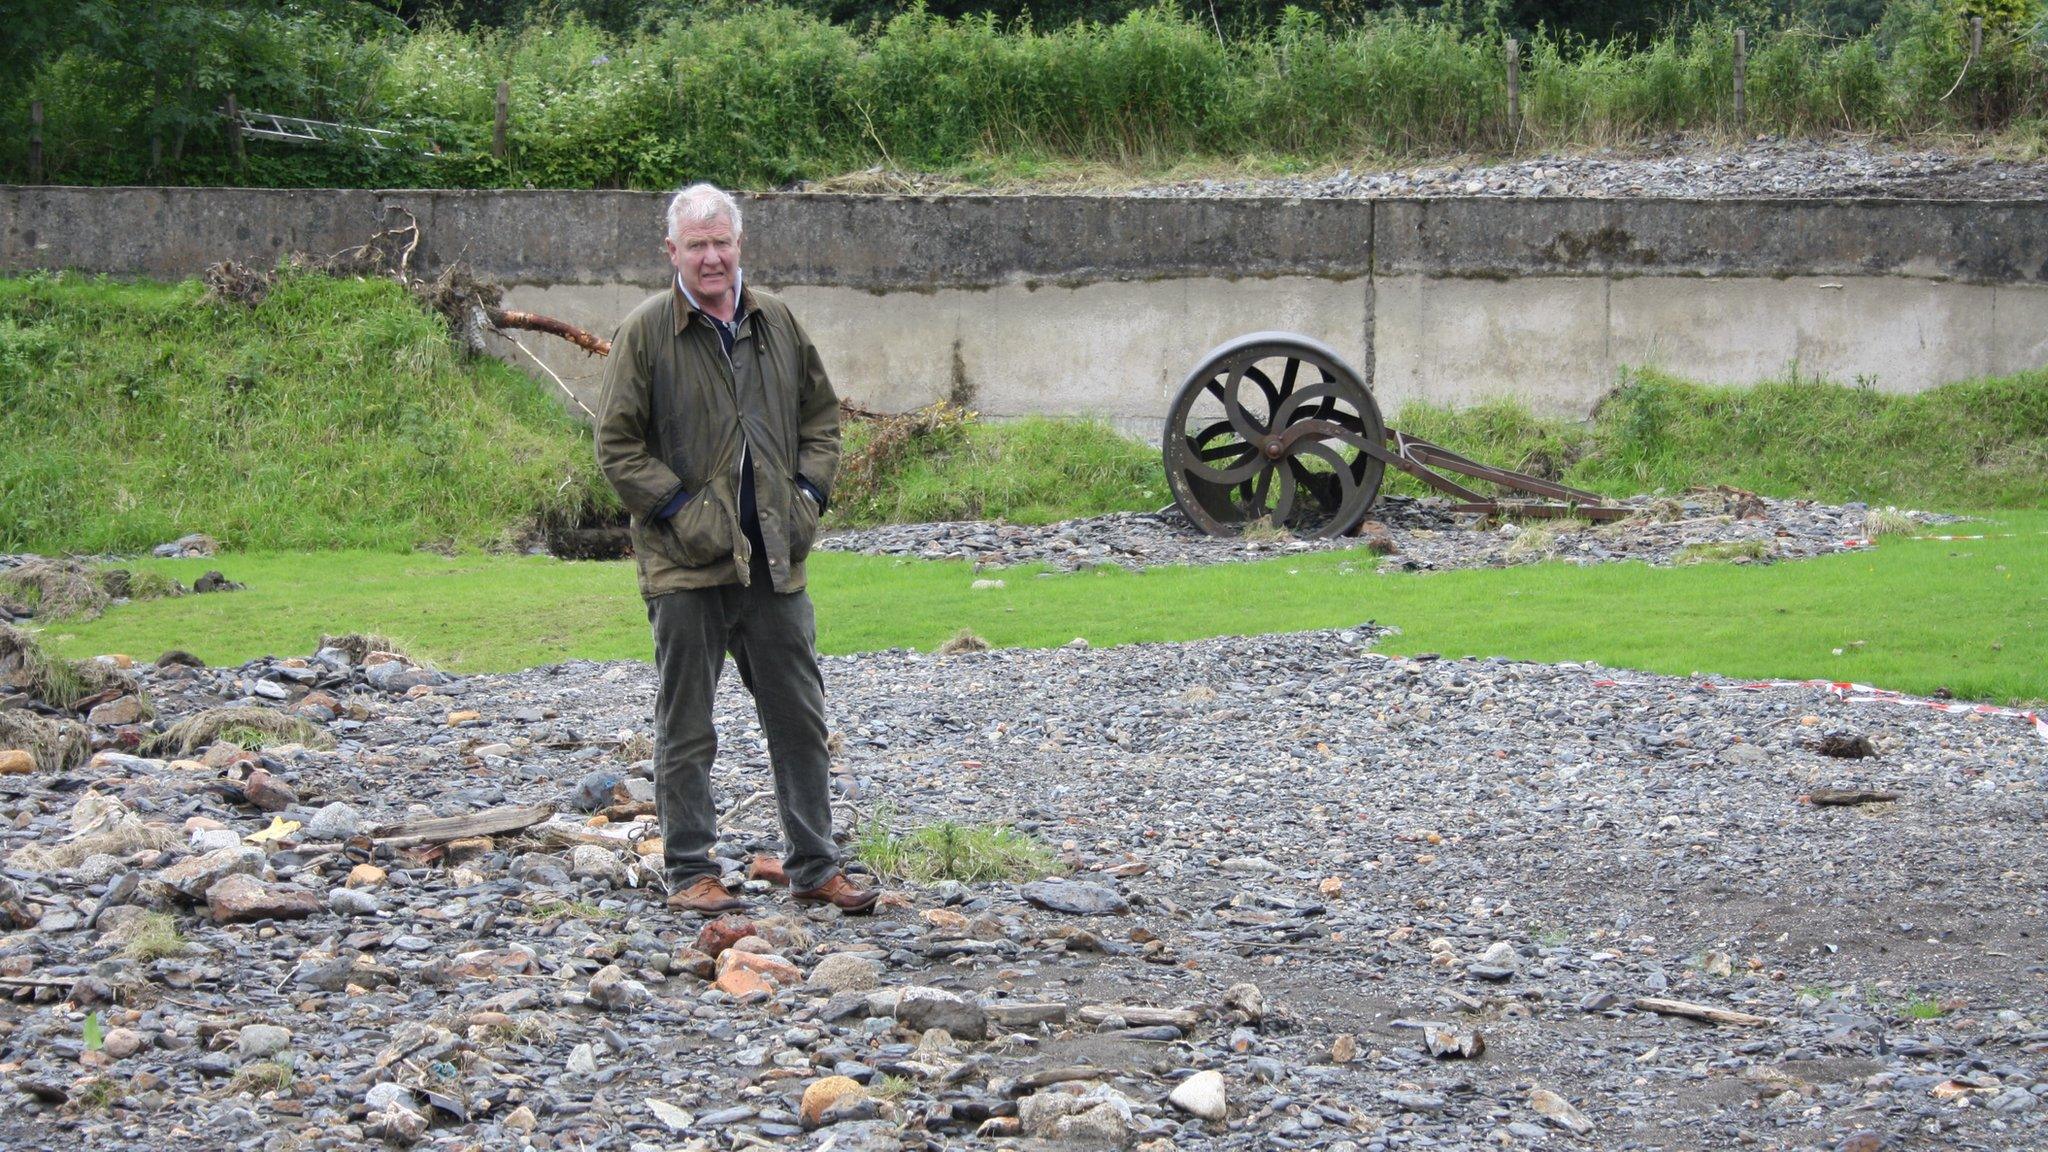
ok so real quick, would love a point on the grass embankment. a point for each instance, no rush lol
(335, 414)
(1914, 615)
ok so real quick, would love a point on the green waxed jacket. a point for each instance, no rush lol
(672, 418)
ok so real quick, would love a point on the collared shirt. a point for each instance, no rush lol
(728, 330)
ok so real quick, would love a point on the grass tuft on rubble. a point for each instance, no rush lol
(27, 666)
(244, 725)
(57, 745)
(153, 937)
(970, 853)
(334, 414)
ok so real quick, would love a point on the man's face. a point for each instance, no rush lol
(706, 254)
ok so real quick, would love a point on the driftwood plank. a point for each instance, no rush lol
(1691, 1011)
(1142, 1016)
(489, 822)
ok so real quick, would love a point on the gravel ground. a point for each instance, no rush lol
(1420, 535)
(1297, 868)
(1680, 167)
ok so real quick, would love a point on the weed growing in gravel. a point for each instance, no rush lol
(893, 1087)
(1921, 1008)
(99, 1094)
(272, 1075)
(971, 853)
(154, 937)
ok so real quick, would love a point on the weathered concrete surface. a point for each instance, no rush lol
(1098, 305)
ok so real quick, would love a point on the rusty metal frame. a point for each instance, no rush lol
(1448, 472)
(1416, 456)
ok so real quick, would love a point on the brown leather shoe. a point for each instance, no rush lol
(706, 897)
(842, 894)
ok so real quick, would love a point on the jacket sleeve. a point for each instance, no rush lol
(625, 450)
(817, 436)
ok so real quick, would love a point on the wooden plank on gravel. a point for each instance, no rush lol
(1141, 1015)
(1691, 1011)
(490, 822)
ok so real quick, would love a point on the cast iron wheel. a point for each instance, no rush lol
(1271, 429)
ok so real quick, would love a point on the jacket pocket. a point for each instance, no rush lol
(698, 535)
(803, 525)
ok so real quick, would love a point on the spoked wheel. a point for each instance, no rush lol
(1271, 429)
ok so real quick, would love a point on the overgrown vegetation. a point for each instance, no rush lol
(333, 414)
(1980, 444)
(1030, 471)
(759, 95)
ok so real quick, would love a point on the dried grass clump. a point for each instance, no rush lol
(197, 731)
(635, 748)
(57, 745)
(100, 825)
(1534, 542)
(963, 641)
(60, 683)
(359, 645)
(58, 588)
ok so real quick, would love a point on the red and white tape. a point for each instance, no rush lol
(1850, 692)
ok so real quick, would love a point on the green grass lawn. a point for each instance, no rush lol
(1914, 615)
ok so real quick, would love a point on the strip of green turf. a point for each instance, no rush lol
(1914, 615)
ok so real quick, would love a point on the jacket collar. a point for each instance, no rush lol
(686, 304)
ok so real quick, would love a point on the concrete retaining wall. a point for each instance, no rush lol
(1098, 306)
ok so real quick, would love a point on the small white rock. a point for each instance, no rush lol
(261, 1041)
(1201, 1095)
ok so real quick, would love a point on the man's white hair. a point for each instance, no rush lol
(699, 203)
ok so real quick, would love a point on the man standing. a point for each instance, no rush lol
(720, 433)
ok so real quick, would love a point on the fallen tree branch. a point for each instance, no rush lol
(510, 318)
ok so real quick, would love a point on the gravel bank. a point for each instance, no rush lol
(1297, 868)
(1679, 168)
(1418, 535)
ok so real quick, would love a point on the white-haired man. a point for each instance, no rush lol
(720, 432)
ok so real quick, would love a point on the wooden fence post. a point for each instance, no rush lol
(1741, 74)
(234, 114)
(1514, 84)
(1976, 36)
(501, 121)
(35, 142)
